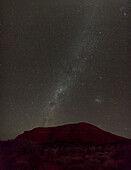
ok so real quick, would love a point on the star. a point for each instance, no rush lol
(98, 100)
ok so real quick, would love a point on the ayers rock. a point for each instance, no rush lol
(79, 133)
(79, 146)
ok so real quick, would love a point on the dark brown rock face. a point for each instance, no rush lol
(81, 132)
(75, 146)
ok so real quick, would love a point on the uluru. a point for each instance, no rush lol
(72, 146)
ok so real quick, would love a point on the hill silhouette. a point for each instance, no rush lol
(80, 132)
(69, 147)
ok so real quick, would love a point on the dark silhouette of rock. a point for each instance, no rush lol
(81, 132)
(69, 147)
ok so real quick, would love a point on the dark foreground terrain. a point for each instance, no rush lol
(87, 148)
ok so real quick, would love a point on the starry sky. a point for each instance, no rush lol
(65, 62)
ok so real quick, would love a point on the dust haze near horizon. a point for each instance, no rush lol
(65, 62)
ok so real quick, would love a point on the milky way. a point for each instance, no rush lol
(76, 65)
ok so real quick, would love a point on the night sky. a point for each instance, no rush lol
(65, 61)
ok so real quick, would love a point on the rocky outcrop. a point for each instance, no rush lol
(70, 147)
(81, 133)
